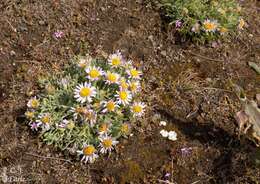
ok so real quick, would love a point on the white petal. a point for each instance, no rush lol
(164, 133)
(163, 123)
(172, 135)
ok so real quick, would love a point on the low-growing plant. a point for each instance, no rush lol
(88, 106)
(204, 20)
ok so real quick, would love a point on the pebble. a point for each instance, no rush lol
(163, 123)
(41, 22)
(12, 53)
(164, 53)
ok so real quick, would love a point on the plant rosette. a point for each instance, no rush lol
(204, 20)
(91, 105)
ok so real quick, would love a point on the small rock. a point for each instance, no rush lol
(164, 53)
(41, 22)
(23, 29)
(12, 53)
(150, 37)
(34, 163)
(163, 123)
(209, 79)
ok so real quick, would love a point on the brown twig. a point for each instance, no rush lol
(49, 157)
(204, 57)
(27, 61)
(168, 182)
(11, 26)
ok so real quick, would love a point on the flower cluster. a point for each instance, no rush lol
(171, 135)
(204, 20)
(91, 105)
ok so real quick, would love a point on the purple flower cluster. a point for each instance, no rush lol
(186, 151)
(178, 24)
(34, 126)
(58, 34)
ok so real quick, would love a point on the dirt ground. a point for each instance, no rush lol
(187, 85)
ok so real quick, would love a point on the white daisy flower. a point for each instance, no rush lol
(90, 117)
(115, 59)
(107, 144)
(128, 64)
(138, 109)
(94, 73)
(172, 135)
(44, 121)
(77, 111)
(210, 25)
(125, 129)
(84, 92)
(29, 114)
(33, 103)
(84, 62)
(196, 28)
(123, 84)
(164, 133)
(89, 153)
(123, 97)
(134, 86)
(104, 128)
(109, 106)
(134, 73)
(112, 78)
(64, 82)
(67, 124)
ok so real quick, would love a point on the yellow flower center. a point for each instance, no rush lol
(116, 61)
(110, 106)
(80, 110)
(137, 108)
(111, 77)
(134, 73)
(71, 125)
(125, 128)
(133, 86)
(123, 84)
(89, 150)
(45, 119)
(107, 143)
(85, 92)
(103, 127)
(94, 73)
(29, 114)
(209, 26)
(123, 95)
(34, 103)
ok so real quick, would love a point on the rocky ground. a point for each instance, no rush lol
(189, 86)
